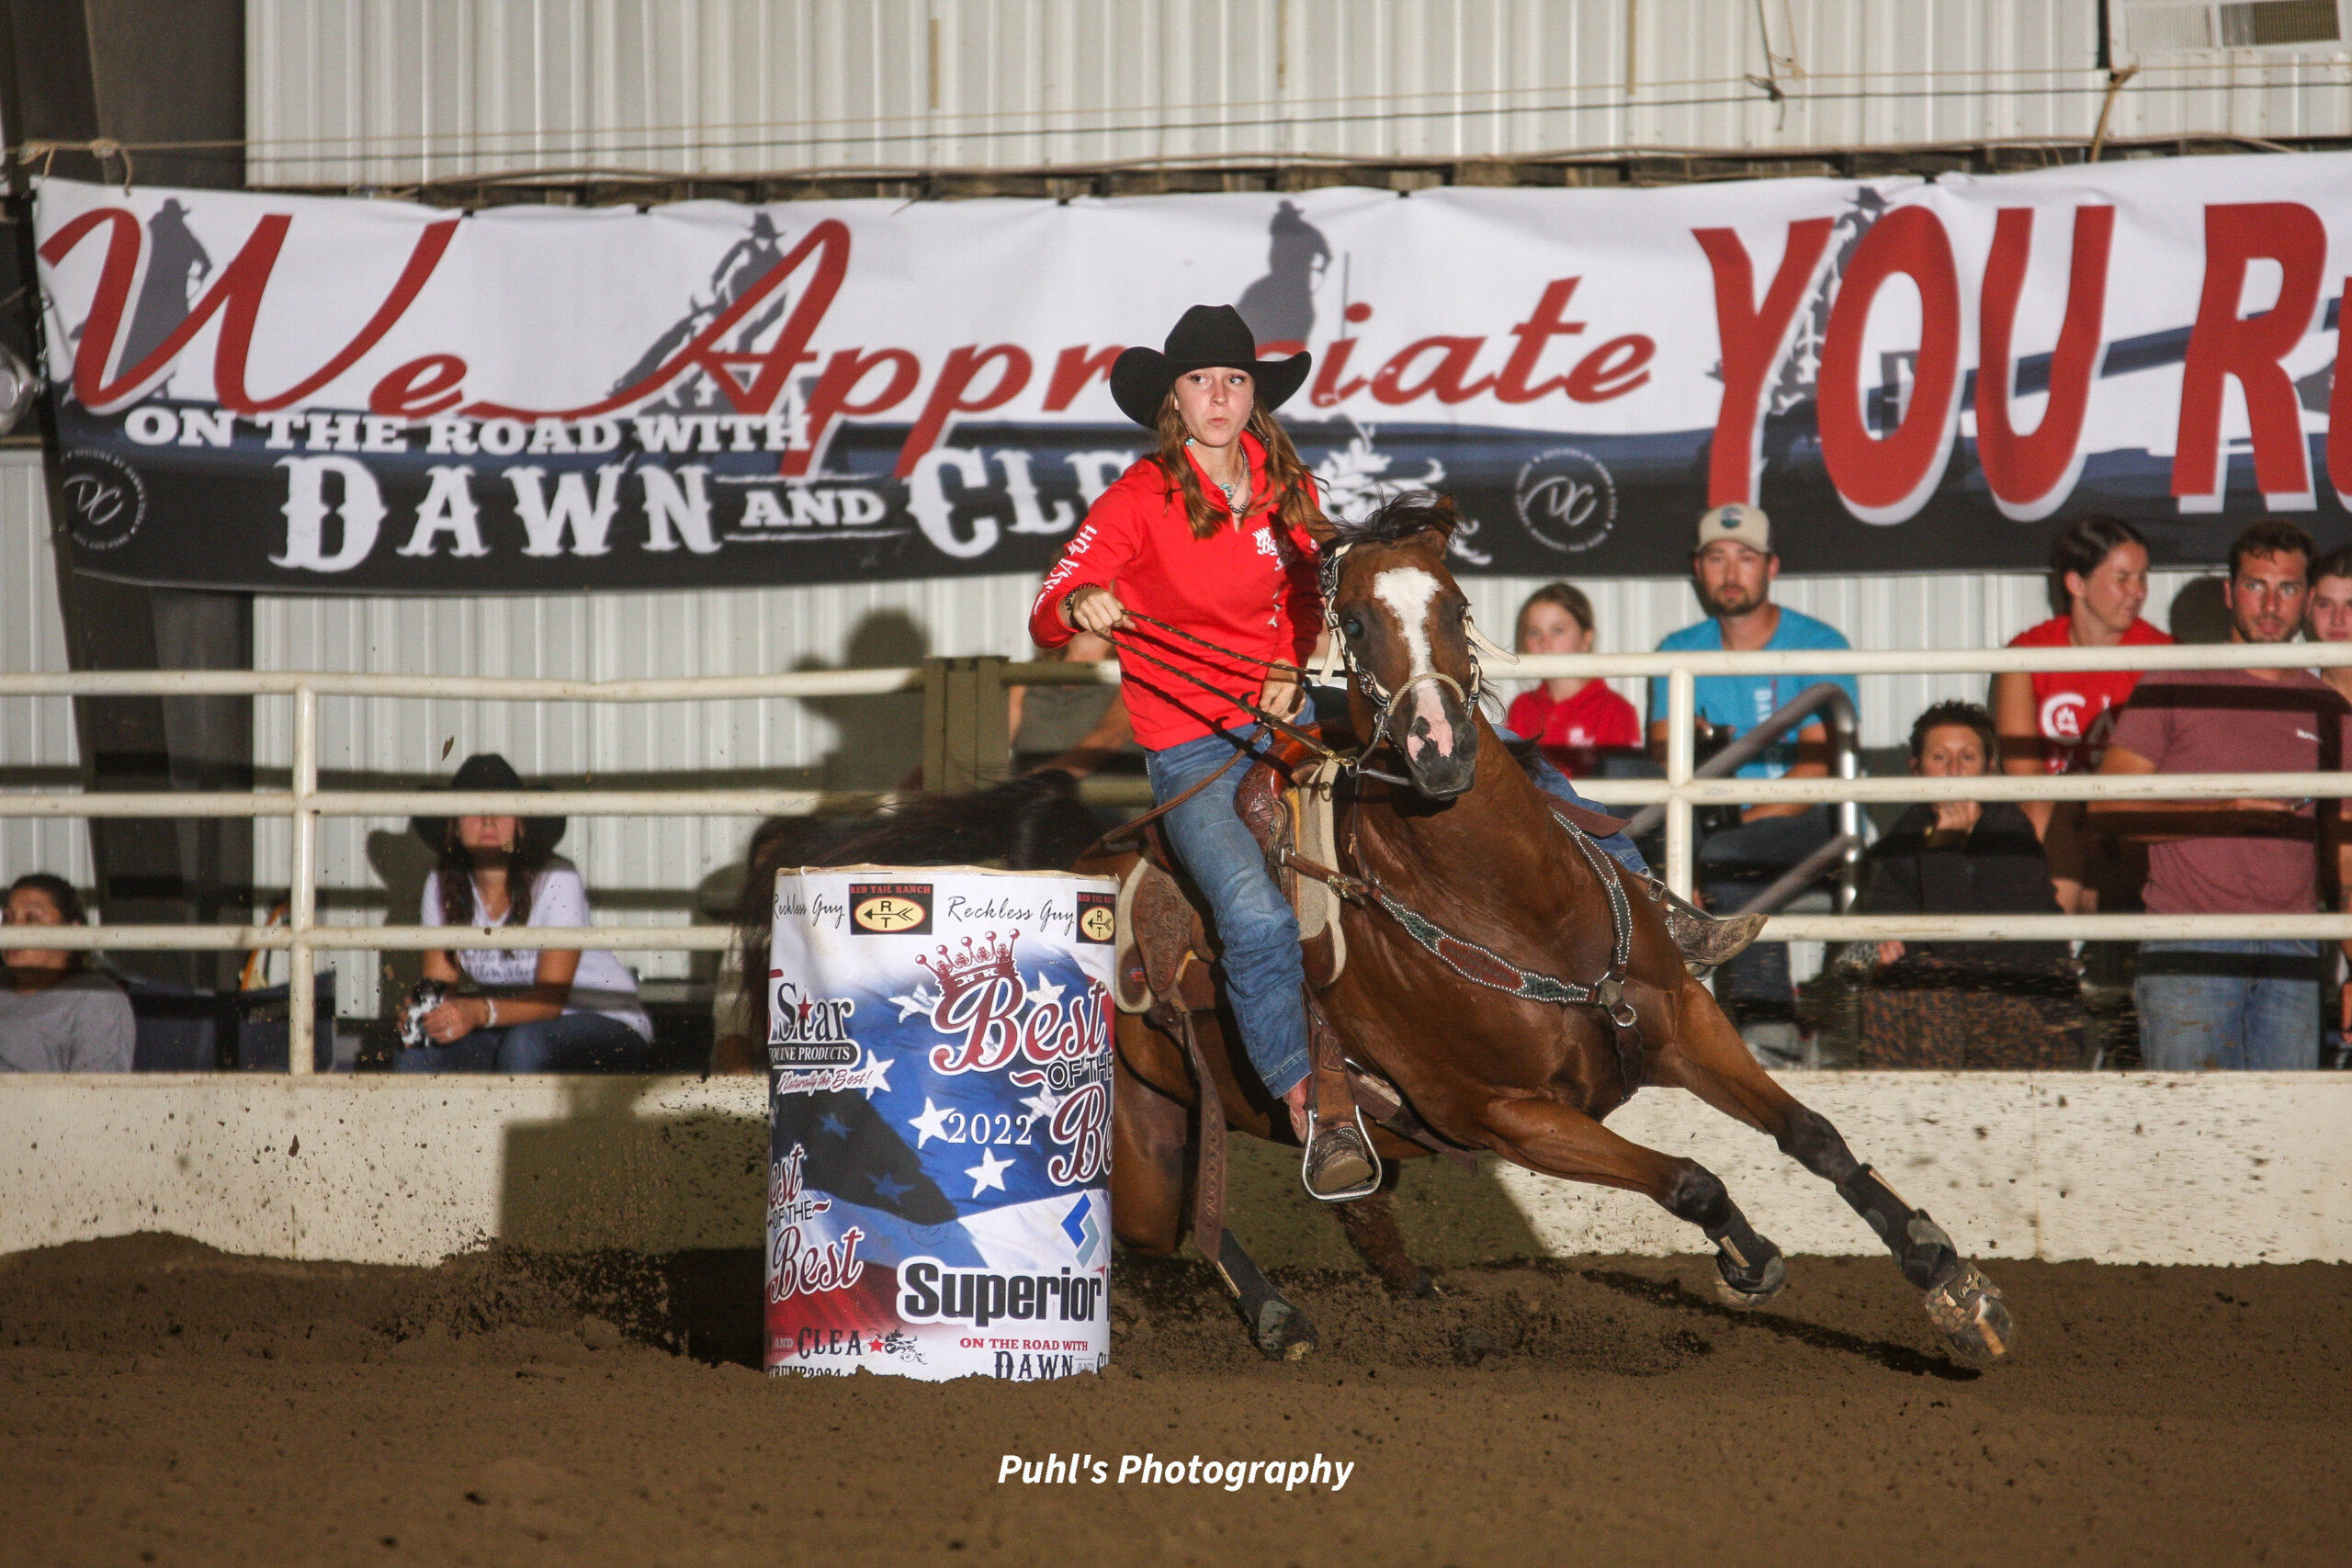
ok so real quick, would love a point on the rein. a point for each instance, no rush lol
(1307, 739)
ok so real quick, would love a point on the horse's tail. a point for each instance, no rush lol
(1035, 823)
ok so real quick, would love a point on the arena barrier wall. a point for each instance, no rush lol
(2190, 1168)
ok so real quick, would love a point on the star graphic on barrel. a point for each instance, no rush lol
(989, 1173)
(1042, 1104)
(931, 1123)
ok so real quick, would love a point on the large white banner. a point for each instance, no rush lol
(314, 394)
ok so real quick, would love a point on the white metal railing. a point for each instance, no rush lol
(305, 803)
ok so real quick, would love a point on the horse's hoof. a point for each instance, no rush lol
(1974, 1321)
(1746, 1290)
(1282, 1332)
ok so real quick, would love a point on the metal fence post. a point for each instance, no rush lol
(1845, 739)
(1681, 746)
(966, 741)
(302, 891)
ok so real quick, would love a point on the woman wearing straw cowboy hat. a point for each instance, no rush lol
(556, 1012)
(1210, 534)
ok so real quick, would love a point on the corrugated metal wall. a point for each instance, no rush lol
(392, 91)
(37, 745)
(371, 92)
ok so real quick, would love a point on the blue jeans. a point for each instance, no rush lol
(576, 1042)
(1551, 781)
(1736, 864)
(2240, 1006)
(1254, 923)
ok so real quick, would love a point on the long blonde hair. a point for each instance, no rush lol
(1290, 485)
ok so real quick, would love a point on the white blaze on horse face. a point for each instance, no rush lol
(1409, 591)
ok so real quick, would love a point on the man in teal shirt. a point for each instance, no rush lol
(1731, 569)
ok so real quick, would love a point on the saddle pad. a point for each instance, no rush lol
(1315, 833)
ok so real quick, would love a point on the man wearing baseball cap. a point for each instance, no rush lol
(1733, 567)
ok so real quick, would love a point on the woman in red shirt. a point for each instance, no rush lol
(1571, 719)
(1210, 534)
(2057, 721)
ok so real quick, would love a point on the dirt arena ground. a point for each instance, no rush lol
(161, 1403)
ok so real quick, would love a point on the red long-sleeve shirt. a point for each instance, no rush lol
(1251, 590)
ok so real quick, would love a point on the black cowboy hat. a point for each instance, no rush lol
(1206, 336)
(488, 771)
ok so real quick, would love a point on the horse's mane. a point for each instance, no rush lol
(1397, 519)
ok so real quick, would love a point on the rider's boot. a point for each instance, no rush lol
(1340, 1164)
(1704, 940)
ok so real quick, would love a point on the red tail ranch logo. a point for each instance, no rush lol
(1097, 918)
(890, 909)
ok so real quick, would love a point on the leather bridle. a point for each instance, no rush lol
(1389, 704)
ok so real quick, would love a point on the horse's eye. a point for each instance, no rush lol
(1352, 627)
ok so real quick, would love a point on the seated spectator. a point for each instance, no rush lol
(1733, 567)
(1571, 717)
(2227, 1003)
(2057, 722)
(1964, 1004)
(57, 1014)
(1077, 731)
(558, 1011)
(2329, 619)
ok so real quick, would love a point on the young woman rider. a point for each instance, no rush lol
(1209, 534)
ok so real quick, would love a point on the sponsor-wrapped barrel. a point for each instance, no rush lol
(939, 1122)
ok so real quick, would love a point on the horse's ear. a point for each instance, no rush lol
(1443, 515)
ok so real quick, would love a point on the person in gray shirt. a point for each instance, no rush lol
(57, 1014)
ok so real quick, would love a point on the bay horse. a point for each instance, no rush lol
(1470, 910)
(1459, 864)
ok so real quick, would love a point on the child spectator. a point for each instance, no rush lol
(1573, 719)
(57, 1014)
(2057, 721)
(1964, 1004)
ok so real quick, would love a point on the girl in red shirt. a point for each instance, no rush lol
(1210, 534)
(2057, 721)
(1571, 719)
